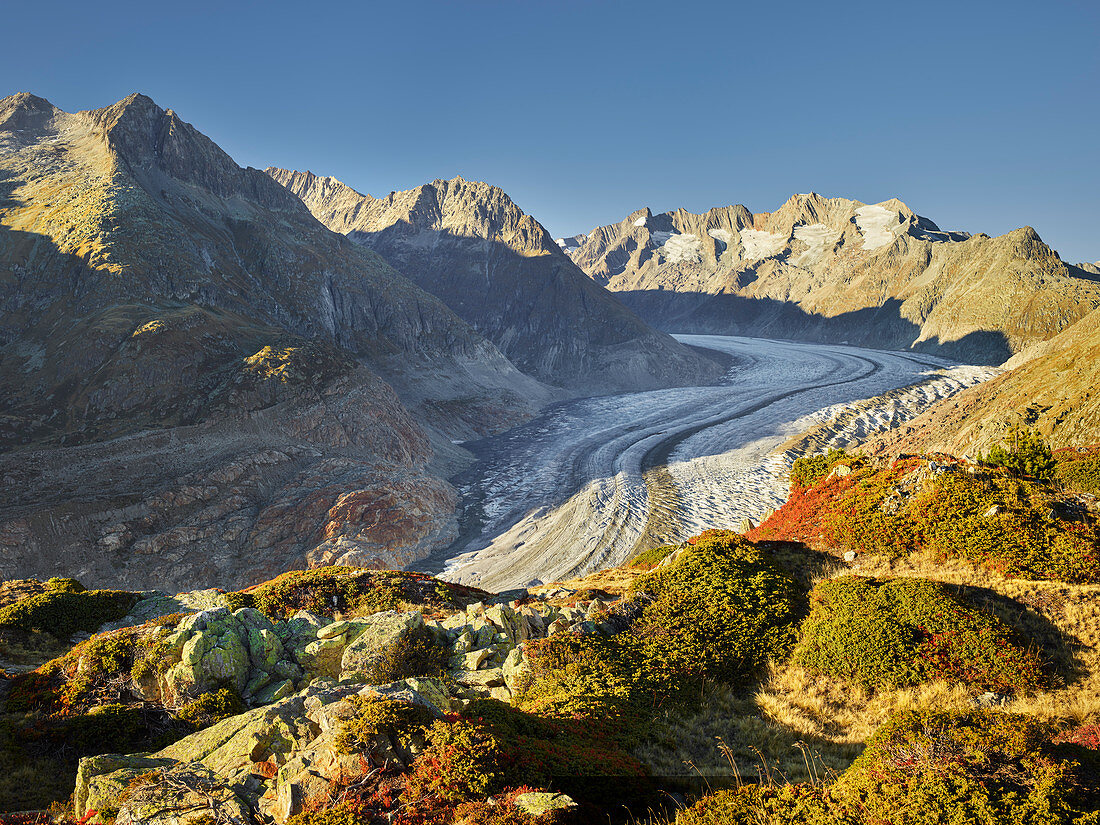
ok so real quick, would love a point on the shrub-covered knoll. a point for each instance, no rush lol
(980, 762)
(63, 612)
(721, 611)
(1079, 470)
(1014, 526)
(905, 631)
(100, 670)
(354, 592)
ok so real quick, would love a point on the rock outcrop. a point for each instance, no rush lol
(200, 382)
(499, 269)
(304, 677)
(832, 269)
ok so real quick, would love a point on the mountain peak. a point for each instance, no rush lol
(25, 111)
(154, 141)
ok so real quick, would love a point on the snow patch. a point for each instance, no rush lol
(683, 249)
(759, 244)
(640, 221)
(818, 238)
(878, 226)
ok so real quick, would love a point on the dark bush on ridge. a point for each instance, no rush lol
(64, 612)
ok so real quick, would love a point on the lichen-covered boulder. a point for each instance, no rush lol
(243, 649)
(182, 795)
(546, 806)
(322, 658)
(377, 633)
(101, 779)
(270, 733)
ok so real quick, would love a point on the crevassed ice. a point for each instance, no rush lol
(877, 224)
(759, 244)
(719, 235)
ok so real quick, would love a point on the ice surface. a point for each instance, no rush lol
(573, 490)
(818, 238)
(683, 249)
(759, 244)
(878, 226)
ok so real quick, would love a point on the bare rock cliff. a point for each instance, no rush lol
(499, 269)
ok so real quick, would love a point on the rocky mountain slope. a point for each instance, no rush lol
(199, 378)
(1051, 387)
(832, 269)
(499, 269)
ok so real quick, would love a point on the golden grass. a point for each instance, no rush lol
(833, 719)
(615, 580)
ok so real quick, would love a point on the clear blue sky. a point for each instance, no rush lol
(983, 116)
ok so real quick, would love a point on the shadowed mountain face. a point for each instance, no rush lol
(199, 378)
(831, 269)
(497, 268)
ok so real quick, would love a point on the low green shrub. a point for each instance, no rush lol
(459, 764)
(648, 559)
(342, 814)
(586, 676)
(414, 653)
(213, 707)
(720, 612)
(1078, 471)
(809, 470)
(375, 715)
(61, 585)
(64, 612)
(585, 760)
(757, 804)
(1026, 454)
(982, 765)
(906, 631)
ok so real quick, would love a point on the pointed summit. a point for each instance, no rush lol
(23, 112)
